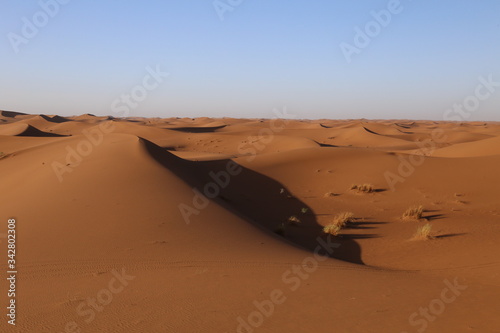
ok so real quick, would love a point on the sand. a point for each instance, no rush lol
(185, 225)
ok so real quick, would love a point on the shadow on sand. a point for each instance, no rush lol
(259, 199)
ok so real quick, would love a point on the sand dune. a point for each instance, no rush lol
(484, 147)
(11, 114)
(359, 136)
(22, 129)
(198, 213)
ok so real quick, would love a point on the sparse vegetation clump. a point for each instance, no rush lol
(424, 232)
(284, 192)
(343, 219)
(365, 188)
(332, 229)
(338, 222)
(293, 220)
(413, 213)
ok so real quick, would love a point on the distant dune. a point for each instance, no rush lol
(216, 225)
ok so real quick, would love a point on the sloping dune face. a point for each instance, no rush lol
(217, 225)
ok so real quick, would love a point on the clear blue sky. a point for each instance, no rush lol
(263, 55)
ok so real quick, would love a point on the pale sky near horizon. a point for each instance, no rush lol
(417, 63)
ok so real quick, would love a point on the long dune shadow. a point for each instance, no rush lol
(325, 144)
(11, 114)
(55, 119)
(35, 132)
(259, 199)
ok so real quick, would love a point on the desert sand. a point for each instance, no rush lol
(216, 225)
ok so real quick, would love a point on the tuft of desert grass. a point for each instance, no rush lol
(424, 232)
(330, 194)
(365, 188)
(343, 219)
(413, 213)
(284, 192)
(293, 220)
(332, 229)
(338, 222)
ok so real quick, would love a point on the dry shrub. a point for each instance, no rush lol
(365, 188)
(332, 229)
(338, 222)
(293, 220)
(424, 232)
(413, 213)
